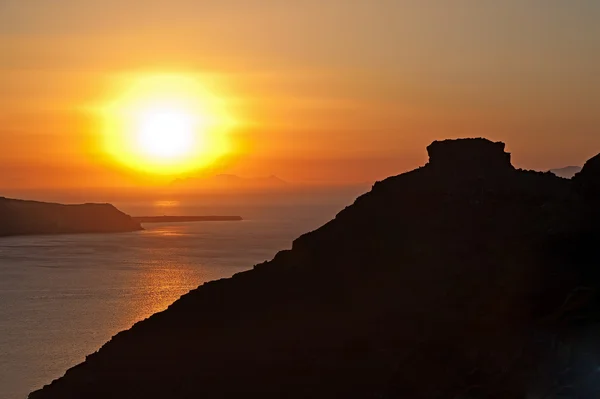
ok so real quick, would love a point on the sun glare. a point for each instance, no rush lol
(166, 133)
(166, 124)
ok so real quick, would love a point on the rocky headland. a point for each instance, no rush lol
(465, 278)
(20, 217)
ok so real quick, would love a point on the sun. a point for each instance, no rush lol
(166, 132)
(167, 125)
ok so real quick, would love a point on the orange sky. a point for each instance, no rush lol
(327, 91)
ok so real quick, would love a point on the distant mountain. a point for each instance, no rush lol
(20, 217)
(465, 278)
(567, 172)
(229, 182)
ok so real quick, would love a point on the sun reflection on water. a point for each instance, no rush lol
(167, 232)
(158, 287)
(168, 284)
(166, 204)
(163, 272)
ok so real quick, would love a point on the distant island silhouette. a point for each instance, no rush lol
(181, 219)
(465, 278)
(567, 172)
(22, 217)
(25, 217)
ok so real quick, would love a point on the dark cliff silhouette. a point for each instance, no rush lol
(465, 278)
(19, 217)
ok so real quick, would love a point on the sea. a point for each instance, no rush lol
(63, 296)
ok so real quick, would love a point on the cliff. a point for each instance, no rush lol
(465, 278)
(19, 217)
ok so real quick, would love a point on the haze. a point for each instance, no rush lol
(324, 91)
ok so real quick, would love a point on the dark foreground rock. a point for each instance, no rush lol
(19, 217)
(464, 278)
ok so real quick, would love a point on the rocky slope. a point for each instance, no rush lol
(465, 278)
(19, 217)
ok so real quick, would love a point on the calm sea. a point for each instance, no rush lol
(62, 297)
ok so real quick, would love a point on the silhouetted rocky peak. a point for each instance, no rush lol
(465, 278)
(589, 178)
(469, 157)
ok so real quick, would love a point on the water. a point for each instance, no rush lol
(62, 297)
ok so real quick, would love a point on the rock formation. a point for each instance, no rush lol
(19, 217)
(589, 178)
(465, 278)
(469, 157)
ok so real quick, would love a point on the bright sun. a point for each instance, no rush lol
(166, 133)
(166, 124)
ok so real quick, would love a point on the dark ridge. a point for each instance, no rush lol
(465, 278)
(180, 219)
(469, 156)
(588, 180)
(20, 217)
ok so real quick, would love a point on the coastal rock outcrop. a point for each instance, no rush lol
(20, 217)
(589, 178)
(465, 278)
(469, 156)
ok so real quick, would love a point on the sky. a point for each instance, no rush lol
(326, 91)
